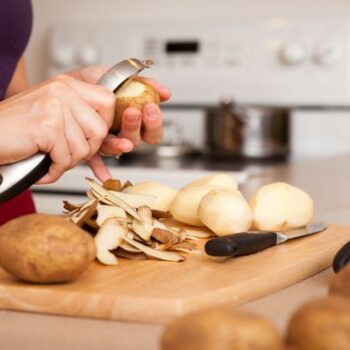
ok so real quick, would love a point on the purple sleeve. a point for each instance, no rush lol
(15, 28)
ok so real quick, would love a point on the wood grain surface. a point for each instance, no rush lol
(155, 291)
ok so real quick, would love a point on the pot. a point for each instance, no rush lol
(246, 131)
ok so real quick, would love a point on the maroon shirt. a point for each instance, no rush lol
(15, 28)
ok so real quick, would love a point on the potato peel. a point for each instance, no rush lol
(108, 237)
(161, 255)
(125, 225)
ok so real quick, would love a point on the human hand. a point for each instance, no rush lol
(63, 116)
(137, 126)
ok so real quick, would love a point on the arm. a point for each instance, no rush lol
(19, 81)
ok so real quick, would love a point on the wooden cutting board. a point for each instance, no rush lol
(156, 291)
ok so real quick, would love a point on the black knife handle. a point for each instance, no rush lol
(342, 258)
(240, 244)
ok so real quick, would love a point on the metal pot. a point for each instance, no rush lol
(243, 131)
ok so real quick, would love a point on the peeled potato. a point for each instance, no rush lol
(184, 207)
(225, 212)
(220, 179)
(280, 206)
(221, 329)
(164, 194)
(136, 94)
(45, 248)
(321, 324)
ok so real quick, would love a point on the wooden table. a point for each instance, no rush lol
(327, 182)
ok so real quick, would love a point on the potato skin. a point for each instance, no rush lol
(150, 95)
(340, 284)
(221, 329)
(44, 248)
(323, 324)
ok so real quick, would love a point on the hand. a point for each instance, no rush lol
(149, 120)
(65, 117)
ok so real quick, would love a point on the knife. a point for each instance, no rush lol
(253, 241)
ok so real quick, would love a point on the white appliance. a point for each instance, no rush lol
(297, 62)
(301, 63)
(72, 185)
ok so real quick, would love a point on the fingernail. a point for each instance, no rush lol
(126, 146)
(152, 111)
(133, 116)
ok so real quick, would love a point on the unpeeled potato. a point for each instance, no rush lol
(322, 324)
(135, 93)
(221, 329)
(280, 206)
(45, 248)
(340, 284)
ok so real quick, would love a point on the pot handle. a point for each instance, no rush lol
(237, 110)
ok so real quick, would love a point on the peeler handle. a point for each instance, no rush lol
(16, 177)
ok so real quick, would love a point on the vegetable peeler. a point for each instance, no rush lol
(18, 176)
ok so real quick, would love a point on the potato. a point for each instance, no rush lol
(137, 94)
(225, 212)
(45, 248)
(322, 324)
(340, 284)
(220, 329)
(164, 194)
(184, 207)
(220, 179)
(280, 206)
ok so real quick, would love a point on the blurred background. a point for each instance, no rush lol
(251, 80)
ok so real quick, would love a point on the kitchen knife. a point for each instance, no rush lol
(253, 241)
(18, 176)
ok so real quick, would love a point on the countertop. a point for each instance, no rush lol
(327, 181)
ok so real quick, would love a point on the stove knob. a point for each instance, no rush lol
(89, 54)
(328, 54)
(63, 56)
(293, 53)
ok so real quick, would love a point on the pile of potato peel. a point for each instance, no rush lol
(125, 225)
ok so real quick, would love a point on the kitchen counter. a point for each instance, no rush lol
(328, 183)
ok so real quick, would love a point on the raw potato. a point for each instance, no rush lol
(133, 94)
(45, 248)
(322, 324)
(185, 206)
(340, 284)
(280, 206)
(225, 212)
(220, 180)
(164, 194)
(221, 329)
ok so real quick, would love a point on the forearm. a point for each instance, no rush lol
(19, 81)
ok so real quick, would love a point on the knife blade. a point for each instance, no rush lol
(253, 241)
